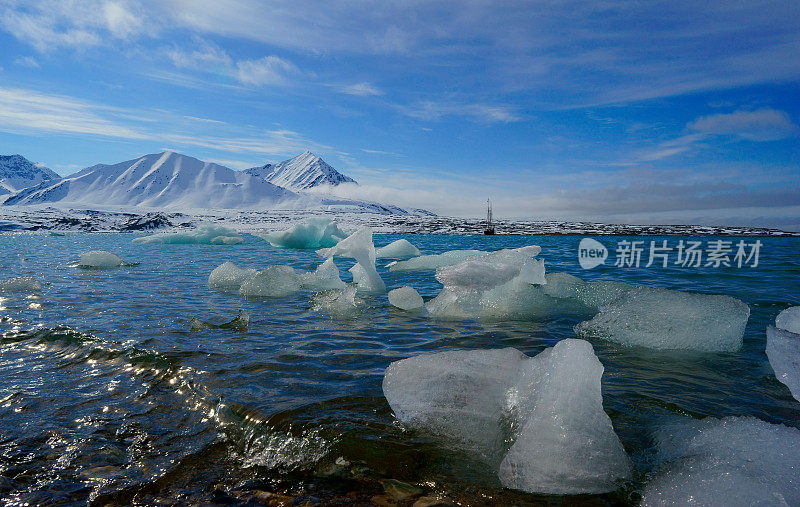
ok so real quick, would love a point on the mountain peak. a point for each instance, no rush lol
(302, 172)
(17, 172)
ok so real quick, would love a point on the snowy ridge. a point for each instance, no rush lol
(164, 179)
(17, 173)
(300, 173)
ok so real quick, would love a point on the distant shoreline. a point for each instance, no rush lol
(85, 219)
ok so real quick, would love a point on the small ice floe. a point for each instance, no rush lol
(338, 303)
(433, 261)
(731, 461)
(668, 319)
(406, 298)
(206, 234)
(360, 247)
(400, 249)
(310, 234)
(100, 259)
(789, 320)
(783, 349)
(489, 285)
(240, 323)
(538, 422)
(20, 284)
(230, 277)
(275, 281)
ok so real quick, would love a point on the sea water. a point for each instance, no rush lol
(107, 394)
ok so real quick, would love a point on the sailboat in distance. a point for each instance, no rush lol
(489, 224)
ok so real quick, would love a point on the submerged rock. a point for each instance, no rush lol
(783, 352)
(310, 234)
(99, 259)
(406, 298)
(735, 461)
(240, 323)
(21, 284)
(207, 234)
(537, 421)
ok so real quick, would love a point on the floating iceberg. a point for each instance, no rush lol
(240, 323)
(230, 277)
(99, 259)
(789, 320)
(428, 262)
(273, 282)
(338, 303)
(731, 461)
(21, 284)
(311, 234)
(668, 319)
(538, 421)
(400, 249)
(498, 284)
(783, 352)
(406, 298)
(325, 277)
(360, 247)
(206, 234)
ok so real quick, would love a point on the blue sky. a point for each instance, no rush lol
(605, 110)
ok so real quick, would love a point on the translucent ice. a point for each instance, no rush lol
(360, 247)
(207, 234)
(311, 234)
(789, 320)
(428, 262)
(783, 352)
(99, 259)
(338, 303)
(547, 408)
(499, 284)
(400, 249)
(273, 282)
(406, 298)
(21, 284)
(229, 276)
(667, 319)
(730, 461)
(325, 277)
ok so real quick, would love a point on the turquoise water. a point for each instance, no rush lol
(107, 395)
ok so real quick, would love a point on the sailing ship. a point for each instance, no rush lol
(489, 224)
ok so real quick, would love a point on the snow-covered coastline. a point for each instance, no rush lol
(115, 219)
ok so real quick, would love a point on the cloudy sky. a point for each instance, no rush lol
(643, 111)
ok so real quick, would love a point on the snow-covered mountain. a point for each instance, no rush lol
(164, 179)
(300, 173)
(17, 172)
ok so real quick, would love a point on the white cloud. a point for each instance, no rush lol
(27, 111)
(50, 24)
(487, 113)
(27, 61)
(361, 90)
(759, 125)
(204, 55)
(269, 70)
